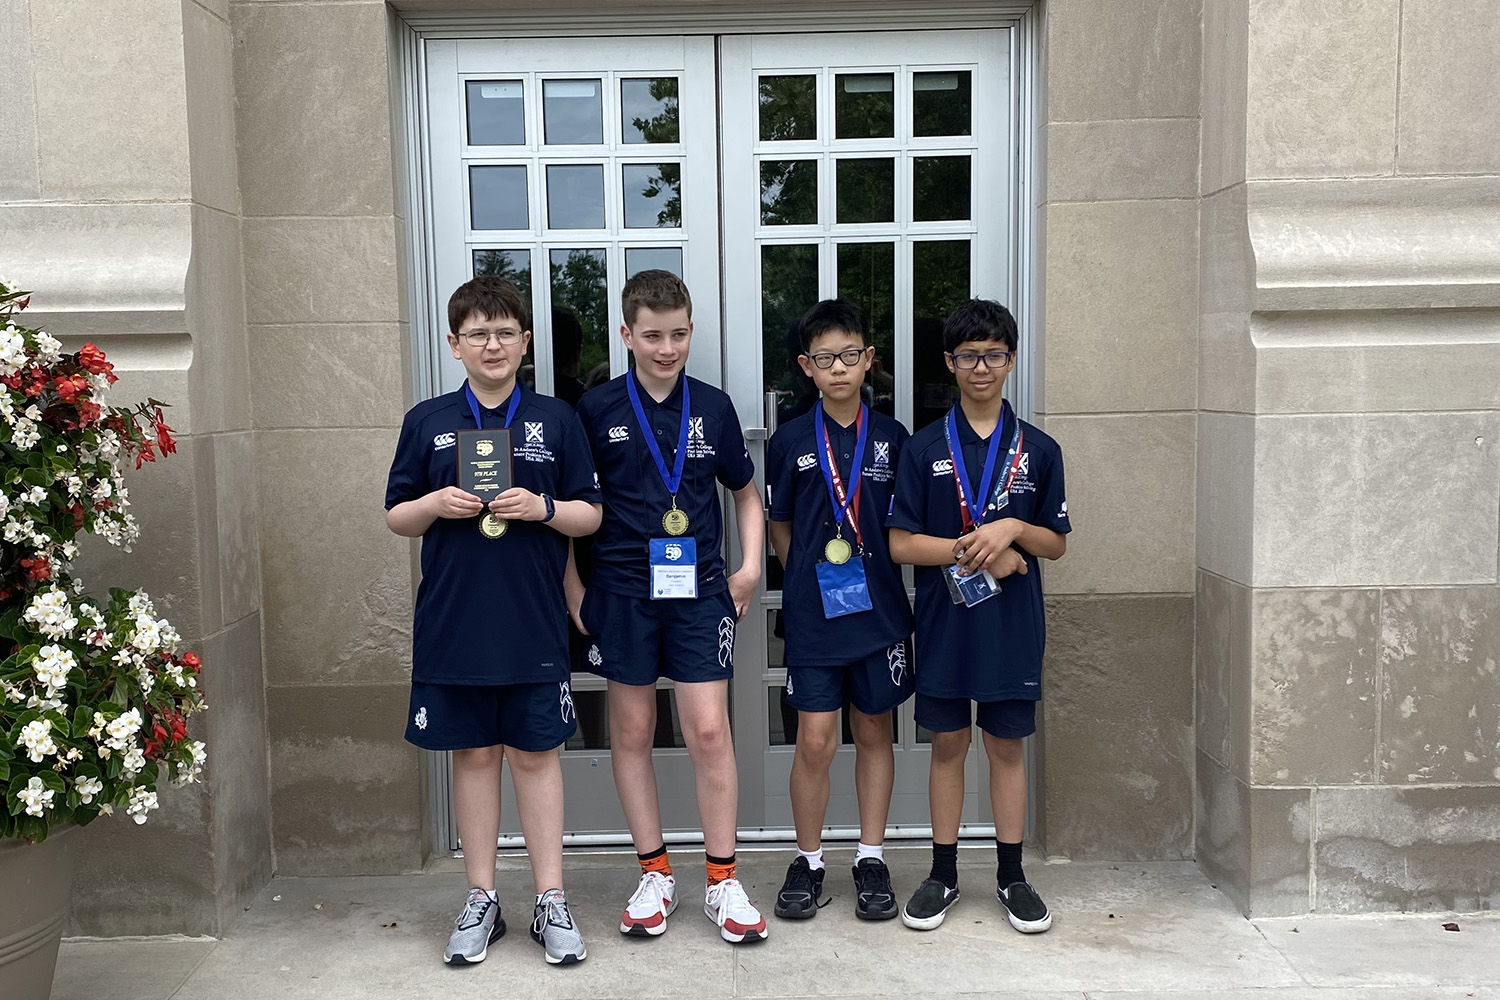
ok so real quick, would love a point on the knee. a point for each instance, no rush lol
(950, 747)
(529, 763)
(871, 732)
(632, 733)
(1004, 752)
(710, 736)
(816, 745)
(477, 758)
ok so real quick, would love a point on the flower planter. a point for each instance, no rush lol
(36, 882)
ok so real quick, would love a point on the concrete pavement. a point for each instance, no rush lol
(1124, 931)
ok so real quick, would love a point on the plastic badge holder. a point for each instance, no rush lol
(843, 588)
(972, 589)
(674, 568)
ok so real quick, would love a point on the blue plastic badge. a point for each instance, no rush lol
(674, 568)
(843, 587)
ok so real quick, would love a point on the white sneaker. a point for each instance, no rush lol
(650, 905)
(727, 905)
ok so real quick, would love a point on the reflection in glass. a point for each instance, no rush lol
(866, 190)
(575, 196)
(580, 299)
(867, 276)
(496, 113)
(638, 259)
(497, 198)
(652, 193)
(788, 108)
(789, 287)
(573, 112)
(940, 284)
(788, 192)
(648, 110)
(941, 103)
(940, 188)
(864, 106)
(512, 265)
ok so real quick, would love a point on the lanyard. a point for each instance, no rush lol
(845, 503)
(961, 473)
(510, 411)
(672, 480)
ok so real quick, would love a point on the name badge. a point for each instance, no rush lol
(972, 589)
(674, 568)
(843, 587)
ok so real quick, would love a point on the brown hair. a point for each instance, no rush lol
(494, 298)
(656, 290)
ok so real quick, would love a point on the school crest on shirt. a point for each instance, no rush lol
(881, 470)
(697, 445)
(1023, 481)
(534, 445)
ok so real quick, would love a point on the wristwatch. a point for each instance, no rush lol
(551, 508)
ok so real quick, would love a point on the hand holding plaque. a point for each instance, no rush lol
(484, 469)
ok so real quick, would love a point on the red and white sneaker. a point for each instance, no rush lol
(650, 905)
(727, 905)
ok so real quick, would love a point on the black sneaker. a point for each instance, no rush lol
(927, 906)
(798, 898)
(1028, 914)
(873, 897)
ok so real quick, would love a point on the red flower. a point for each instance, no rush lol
(69, 387)
(164, 439)
(76, 510)
(191, 661)
(93, 361)
(145, 454)
(88, 412)
(38, 568)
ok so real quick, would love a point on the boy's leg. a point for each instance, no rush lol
(703, 708)
(537, 777)
(874, 773)
(632, 726)
(817, 741)
(945, 784)
(949, 720)
(1007, 787)
(1005, 725)
(476, 808)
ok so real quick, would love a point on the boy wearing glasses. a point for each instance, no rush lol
(490, 670)
(830, 474)
(979, 499)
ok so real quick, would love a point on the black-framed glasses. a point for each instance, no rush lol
(481, 338)
(968, 360)
(849, 358)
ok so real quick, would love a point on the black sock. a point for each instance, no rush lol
(945, 864)
(1009, 871)
(649, 855)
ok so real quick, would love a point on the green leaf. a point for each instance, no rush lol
(35, 477)
(4, 770)
(59, 723)
(53, 780)
(83, 720)
(16, 784)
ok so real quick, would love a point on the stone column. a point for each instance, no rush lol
(1349, 470)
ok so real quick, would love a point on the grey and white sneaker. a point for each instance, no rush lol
(553, 928)
(478, 926)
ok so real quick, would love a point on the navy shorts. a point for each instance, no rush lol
(635, 640)
(875, 684)
(1006, 720)
(531, 717)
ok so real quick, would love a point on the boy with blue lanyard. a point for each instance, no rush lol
(979, 499)
(830, 474)
(659, 603)
(490, 669)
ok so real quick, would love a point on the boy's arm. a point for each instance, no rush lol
(750, 519)
(572, 517)
(412, 518)
(991, 539)
(573, 590)
(930, 550)
(781, 539)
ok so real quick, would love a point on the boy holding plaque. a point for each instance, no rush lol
(490, 671)
(830, 474)
(659, 603)
(979, 499)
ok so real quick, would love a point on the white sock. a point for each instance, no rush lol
(814, 859)
(490, 893)
(866, 851)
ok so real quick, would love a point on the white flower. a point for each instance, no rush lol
(87, 788)
(147, 635)
(106, 809)
(74, 485)
(12, 692)
(7, 404)
(121, 730)
(52, 666)
(148, 681)
(195, 771)
(134, 762)
(141, 803)
(36, 739)
(12, 349)
(62, 449)
(103, 490)
(37, 797)
(51, 613)
(25, 434)
(36, 496)
(4, 505)
(48, 348)
(141, 602)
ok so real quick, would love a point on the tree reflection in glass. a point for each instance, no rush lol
(648, 110)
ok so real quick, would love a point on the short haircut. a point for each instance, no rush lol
(657, 290)
(829, 316)
(980, 320)
(494, 298)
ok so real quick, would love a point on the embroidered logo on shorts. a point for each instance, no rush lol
(595, 657)
(726, 642)
(565, 702)
(895, 658)
(420, 719)
(789, 685)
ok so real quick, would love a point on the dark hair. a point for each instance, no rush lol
(830, 315)
(979, 320)
(492, 297)
(656, 290)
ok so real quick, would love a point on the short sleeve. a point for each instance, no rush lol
(899, 441)
(578, 480)
(408, 476)
(1052, 496)
(909, 501)
(781, 479)
(736, 471)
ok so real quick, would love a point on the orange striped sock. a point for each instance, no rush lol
(656, 861)
(720, 869)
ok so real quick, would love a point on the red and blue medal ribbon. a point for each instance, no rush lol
(987, 477)
(845, 502)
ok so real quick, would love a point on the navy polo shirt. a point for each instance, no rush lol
(635, 498)
(797, 492)
(491, 611)
(992, 651)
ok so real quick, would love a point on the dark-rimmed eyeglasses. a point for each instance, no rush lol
(968, 360)
(848, 358)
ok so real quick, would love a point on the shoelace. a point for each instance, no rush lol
(653, 889)
(799, 878)
(877, 881)
(555, 912)
(731, 896)
(476, 905)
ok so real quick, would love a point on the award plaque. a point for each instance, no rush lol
(484, 469)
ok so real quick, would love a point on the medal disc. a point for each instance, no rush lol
(674, 522)
(491, 526)
(837, 551)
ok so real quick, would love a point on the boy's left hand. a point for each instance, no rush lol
(741, 588)
(517, 504)
(976, 550)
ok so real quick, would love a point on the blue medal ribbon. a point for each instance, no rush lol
(961, 472)
(673, 480)
(842, 507)
(510, 411)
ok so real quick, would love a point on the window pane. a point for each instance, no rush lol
(940, 284)
(497, 198)
(497, 115)
(788, 108)
(648, 110)
(866, 190)
(573, 112)
(638, 259)
(941, 103)
(575, 196)
(580, 310)
(788, 192)
(512, 265)
(867, 276)
(864, 106)
(940, 188)
(652, 193)
(789, 287)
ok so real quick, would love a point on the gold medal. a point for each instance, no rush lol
(838, 551)
(491, 526)
(674, 522)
